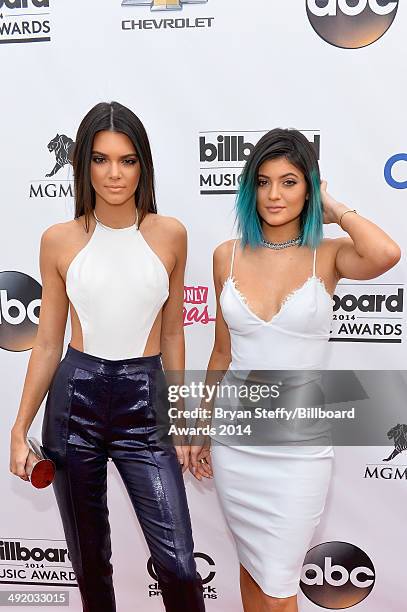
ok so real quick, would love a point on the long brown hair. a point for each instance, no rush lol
(113, 117)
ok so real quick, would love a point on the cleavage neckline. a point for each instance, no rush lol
(288, 298)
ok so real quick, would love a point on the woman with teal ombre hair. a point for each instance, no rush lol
(274, 288)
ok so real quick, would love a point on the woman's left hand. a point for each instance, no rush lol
(332, 209)
(183, 450)
(200, 459)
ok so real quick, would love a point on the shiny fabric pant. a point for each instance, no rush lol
(99, 409)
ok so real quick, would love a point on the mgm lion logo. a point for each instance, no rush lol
(63, 148)
(398, 433)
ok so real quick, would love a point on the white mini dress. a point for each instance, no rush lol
(273, 496)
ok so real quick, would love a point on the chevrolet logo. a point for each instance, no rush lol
(162, 5)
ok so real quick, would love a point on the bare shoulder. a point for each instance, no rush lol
(57, 234)
(223, 252)
(222, 257)
(61, 237)
(170, 226)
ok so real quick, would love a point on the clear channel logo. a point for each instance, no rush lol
(163, 23)
(384, 471)
(222, 156)
(20, 301)
(60, 151)
(365, 312)
(351, 24)
(206, 569)
(337, 575)
(24, 21)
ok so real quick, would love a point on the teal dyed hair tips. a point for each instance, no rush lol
(297, 149)
(311, 216)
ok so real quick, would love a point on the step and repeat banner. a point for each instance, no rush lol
(208, 78)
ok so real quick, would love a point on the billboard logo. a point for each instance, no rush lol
(16, 27)
(222, 156)
(351, 24)
(36, 562)
(368, 313)
(17, 4)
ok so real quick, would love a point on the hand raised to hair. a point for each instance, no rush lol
(332, 209)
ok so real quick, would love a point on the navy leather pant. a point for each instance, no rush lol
(96, 409)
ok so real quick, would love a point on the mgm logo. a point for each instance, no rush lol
(398, 434)
(61, 147)
(162, 5)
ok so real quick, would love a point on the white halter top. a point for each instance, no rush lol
(295, 338)
(117, 285)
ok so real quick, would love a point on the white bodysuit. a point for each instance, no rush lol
(117, 285)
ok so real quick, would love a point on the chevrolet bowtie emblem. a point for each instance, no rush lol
(162, 5)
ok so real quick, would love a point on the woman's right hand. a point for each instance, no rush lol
(19, 450)
(200, 463)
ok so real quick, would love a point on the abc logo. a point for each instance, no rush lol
(351, 24)
(20, 300)
(388, 171)
(337, 575)
(207, 576)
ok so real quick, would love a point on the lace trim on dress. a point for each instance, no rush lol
(286, 299)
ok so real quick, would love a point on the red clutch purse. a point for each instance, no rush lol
(40, 469)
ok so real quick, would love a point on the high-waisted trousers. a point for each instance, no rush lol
(99, 409)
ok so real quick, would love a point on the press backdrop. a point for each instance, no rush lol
(208, 78)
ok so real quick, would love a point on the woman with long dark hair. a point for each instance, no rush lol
(274, 291)
(119, 266)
